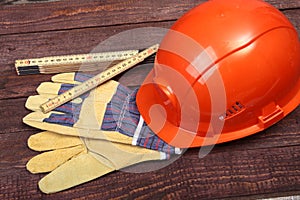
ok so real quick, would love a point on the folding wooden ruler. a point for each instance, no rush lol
(98, 79)
(67, 63)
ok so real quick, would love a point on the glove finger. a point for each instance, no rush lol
(51, 118)
(36, 119)
(85, 116)
(101, 94)
(65, 78)
(78, 170)
(53, 88)
(48, 90)
(46, 140)
(71, 78)
(33, 102)
(49, 161)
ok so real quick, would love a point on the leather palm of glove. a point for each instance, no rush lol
(72, 160)
(90, 148)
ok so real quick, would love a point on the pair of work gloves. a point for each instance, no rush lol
(95, 134)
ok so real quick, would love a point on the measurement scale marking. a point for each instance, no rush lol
(47, 62)
(97, 80)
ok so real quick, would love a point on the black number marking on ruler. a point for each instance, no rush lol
(97, 80)
(57, 64)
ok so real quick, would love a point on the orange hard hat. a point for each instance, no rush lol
(225, 70)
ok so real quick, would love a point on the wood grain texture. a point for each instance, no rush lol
(33, 17)
(77, 14)
(280, 5)
(50, 44)
(262, 165)
(32, 45)
(14, 2)
(224, 173)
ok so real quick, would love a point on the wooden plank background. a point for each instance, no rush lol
(263, 165)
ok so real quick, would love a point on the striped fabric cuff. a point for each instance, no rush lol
(122, 115)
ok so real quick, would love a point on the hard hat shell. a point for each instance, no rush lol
(225, 70)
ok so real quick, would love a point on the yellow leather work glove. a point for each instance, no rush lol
(72, 160)
(94, 134)
(108, 112)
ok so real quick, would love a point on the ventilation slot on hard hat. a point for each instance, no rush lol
(234, 110)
